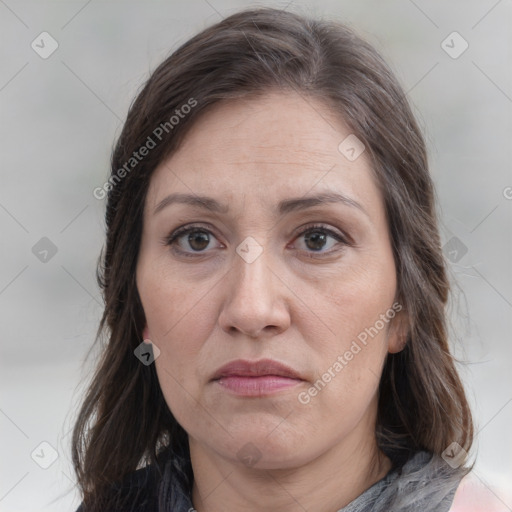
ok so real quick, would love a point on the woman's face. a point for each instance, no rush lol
(267, 272)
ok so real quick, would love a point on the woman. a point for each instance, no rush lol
(274, 288)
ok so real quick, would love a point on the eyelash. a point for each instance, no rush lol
(171, 239)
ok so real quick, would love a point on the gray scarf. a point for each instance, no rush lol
(425, 483)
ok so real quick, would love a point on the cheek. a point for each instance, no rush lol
(179, 325)
(348, 366)
(354, 298)
(175, 308)
(180, 317)
(356, 309)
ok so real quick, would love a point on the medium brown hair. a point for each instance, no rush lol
(124, 421)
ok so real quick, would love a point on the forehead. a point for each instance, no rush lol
(264, 149)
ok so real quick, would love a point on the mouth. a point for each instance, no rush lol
(256, 378)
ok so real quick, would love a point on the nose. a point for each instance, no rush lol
(255, 298)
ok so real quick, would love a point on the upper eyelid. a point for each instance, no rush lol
(206, 227)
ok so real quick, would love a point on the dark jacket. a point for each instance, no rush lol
(139, 490)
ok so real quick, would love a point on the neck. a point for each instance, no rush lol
(327, 483)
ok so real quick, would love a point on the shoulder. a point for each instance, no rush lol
(473, 495)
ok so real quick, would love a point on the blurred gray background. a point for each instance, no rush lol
(60, 114)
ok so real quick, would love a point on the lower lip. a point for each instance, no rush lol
(257, 386)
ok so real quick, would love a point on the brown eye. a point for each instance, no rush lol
(317, 238)
(190, 240)
(198, 240)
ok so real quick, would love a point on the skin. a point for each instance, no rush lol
(300, 303)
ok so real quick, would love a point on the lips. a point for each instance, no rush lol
(256, 379)
(263, 367)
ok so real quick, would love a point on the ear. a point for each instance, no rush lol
(145, 333)
(398, 332)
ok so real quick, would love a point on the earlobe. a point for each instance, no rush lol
(398, 333)
(397, 345)
(145, 334)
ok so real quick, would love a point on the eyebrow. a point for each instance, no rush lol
(284, 207)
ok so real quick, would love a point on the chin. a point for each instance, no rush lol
(268, 447)
(259, 456)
